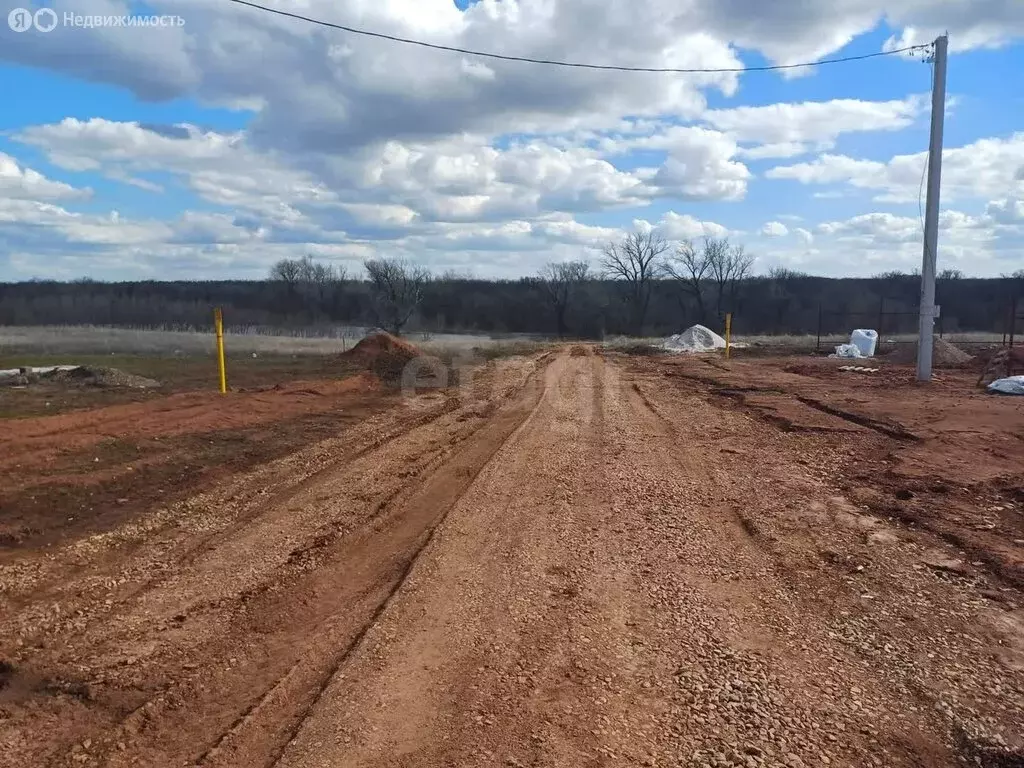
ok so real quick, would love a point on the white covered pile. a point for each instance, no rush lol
(1011, 385)
(694, 339)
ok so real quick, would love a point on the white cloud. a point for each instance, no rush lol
(320, 90)
(220, 168)
(803, 235)
(357, 145)
(786, 130)
(781, 150)
(17, 182)
(775, 229)
(676, 226)
(1006, 211)
(880, 241)
(987, 168)
(700, 165)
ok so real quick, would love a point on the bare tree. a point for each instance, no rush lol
(785, 274)
(559, 282)
(950, 274)
(729, 267)
(287, 271)
(636, 261)
(307, 283)
(396, 290)
(690, 268)
(740, 265)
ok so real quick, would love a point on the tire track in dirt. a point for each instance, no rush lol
(399, 526)
(166, 699)
(198, 546)
(487, 611)
(440, 491)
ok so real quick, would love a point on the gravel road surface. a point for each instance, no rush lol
(573, 562)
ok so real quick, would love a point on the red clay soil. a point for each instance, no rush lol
(599, 561)
(80, 473)
(946, 456)
(381, 344)
(38, 442)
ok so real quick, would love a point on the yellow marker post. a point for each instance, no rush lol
(218, 321)
(728, 334)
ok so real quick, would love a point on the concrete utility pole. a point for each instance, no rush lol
(926, 329)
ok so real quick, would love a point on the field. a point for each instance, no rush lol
(576, 557)
(93, 340)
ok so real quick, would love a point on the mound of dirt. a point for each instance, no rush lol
(944, 354)
(92, 376)
(384, 354)
(381, 344)
(578, 350)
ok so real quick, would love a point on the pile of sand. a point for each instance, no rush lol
(944, 354)
(697, 338)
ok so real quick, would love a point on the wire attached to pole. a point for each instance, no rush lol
(570, 64)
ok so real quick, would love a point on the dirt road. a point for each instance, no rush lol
(575, 562)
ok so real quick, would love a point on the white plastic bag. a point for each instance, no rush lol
(848, 351)
(865, 340)
(1013, 385)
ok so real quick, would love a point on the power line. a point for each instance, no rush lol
(570, 64)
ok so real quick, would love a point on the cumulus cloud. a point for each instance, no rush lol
(775, 229)
(1006, 211)
(986, 168)
(682, 226)
(786, 130)
(878, 241)
(803, 235)
(317, 89)
(356, 145)
(700, 165)
(18, 182)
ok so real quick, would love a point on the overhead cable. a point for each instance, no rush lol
(571, 64)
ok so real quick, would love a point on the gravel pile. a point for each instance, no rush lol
(92, 376)
(696, 338)
(943, 354)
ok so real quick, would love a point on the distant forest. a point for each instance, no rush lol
(550, 304)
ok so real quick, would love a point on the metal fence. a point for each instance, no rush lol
(834, 327)
(1015, 323)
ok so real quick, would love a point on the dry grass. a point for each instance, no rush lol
(95, 340)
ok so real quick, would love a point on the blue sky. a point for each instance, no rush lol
(214, 148)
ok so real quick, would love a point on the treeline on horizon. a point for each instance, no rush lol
(783, 302)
